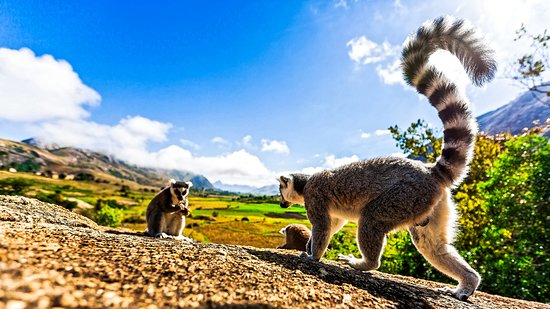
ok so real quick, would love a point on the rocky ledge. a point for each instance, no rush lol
(51, 257)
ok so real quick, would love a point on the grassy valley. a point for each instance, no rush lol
(226, 219)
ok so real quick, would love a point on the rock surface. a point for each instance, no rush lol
(50, 257)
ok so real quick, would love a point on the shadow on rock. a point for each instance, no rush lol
(407, 295)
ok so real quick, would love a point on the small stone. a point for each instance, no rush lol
(15, 304)
(68, 300)
(346, 298)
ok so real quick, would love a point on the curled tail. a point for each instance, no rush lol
(452, 105)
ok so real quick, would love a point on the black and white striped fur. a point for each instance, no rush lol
(165, 214)
(452, 106)
(384, 194)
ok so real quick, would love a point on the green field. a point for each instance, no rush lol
(233, 219)
(224, 219)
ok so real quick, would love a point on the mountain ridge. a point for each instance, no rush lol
(516, 115)
(55, 161)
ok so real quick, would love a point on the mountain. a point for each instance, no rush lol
(265, 190)
(199, 181)
(234, 188)
(516, 115)
(55, 161)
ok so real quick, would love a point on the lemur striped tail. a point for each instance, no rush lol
(452, 105)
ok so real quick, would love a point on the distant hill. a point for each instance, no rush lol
(516, 115)
(265, 190)
(64, 162)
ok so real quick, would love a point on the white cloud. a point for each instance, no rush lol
(190, 144)
(34, 88)
(247, 141)
(275, 146)
(365, 135)
(127, 140)
(333, 162)
(239, 167)
(220, 141)
(341, 3)
(382, 132)
(391, 73)
(330, 162)
(365, 51)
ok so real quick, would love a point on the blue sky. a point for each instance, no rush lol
(239, 91)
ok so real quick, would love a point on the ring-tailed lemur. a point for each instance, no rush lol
(297, 236)
(385, 194)
(167, 210)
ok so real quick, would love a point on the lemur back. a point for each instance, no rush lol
(384, 194)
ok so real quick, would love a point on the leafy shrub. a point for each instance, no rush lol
(109, 216)
(27, 166)
(342, 242)
(58, 199)
(514, 255)
(14, 186)
(84, 177)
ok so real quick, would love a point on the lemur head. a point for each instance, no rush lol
(179, 190)
(292, 189)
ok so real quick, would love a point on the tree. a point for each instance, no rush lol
(419, 141)
(530, 68)
(514, 250)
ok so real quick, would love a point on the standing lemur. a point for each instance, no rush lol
(384, 194)
(167, 210)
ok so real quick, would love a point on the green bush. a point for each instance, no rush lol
(514, 255)
(109, 216)
(342, 242)
(14, 186)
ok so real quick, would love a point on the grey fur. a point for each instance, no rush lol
(384, 194)
(297, 236)
(166, 212)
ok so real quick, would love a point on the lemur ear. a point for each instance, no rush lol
(189, 184)
(172, 182)
(283, 180)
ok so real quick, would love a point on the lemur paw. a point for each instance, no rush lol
(460, 294)
(307, 256)
(162, 236)
(356, 263)
(345, 258)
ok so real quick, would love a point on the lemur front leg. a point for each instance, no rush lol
(320, 230)
(323, 227)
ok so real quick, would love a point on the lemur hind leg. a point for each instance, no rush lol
(434, 242)
(395, 208)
